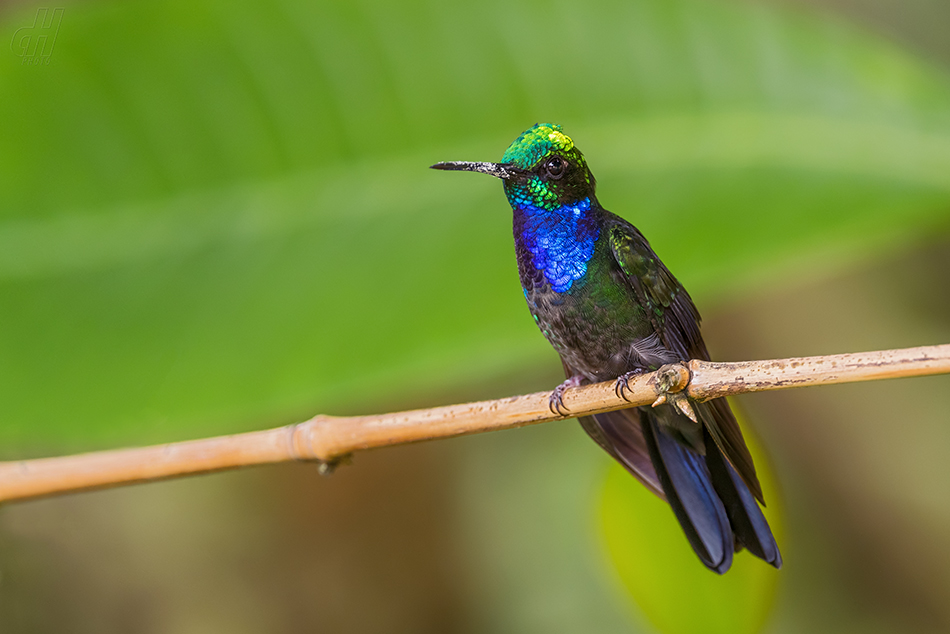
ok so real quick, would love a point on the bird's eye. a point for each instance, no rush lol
(555, 167)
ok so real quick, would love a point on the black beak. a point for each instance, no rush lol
(503, 171)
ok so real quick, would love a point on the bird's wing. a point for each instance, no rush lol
(676, 322)
(665, 301)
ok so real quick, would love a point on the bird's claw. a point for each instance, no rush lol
(556, 400)
(680, 402)
(622, 386)
(670, 384)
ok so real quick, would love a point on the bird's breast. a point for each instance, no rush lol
(593, 324)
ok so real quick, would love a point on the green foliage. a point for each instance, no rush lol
(217, 215)
(219, 212)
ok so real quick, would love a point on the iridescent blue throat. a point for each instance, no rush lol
(560, 241)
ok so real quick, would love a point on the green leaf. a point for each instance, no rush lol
(657, 566)
(217, 215)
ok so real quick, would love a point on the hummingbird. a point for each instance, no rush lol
(612, 310)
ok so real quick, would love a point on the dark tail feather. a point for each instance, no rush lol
(745, 516)
(689, 490)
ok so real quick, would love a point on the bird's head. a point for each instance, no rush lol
(541, 169)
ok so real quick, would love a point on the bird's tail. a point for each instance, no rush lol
(712, 503)
(715, 508)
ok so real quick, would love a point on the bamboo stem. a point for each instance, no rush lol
(328, 438)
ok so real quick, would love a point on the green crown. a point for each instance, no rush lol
(535, 143)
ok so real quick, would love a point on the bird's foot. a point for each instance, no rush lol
(556, 401)
(671, 382)
(622, 386)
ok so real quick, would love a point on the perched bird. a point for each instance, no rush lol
(612, 310)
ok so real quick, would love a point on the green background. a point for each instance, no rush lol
(217, 217)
